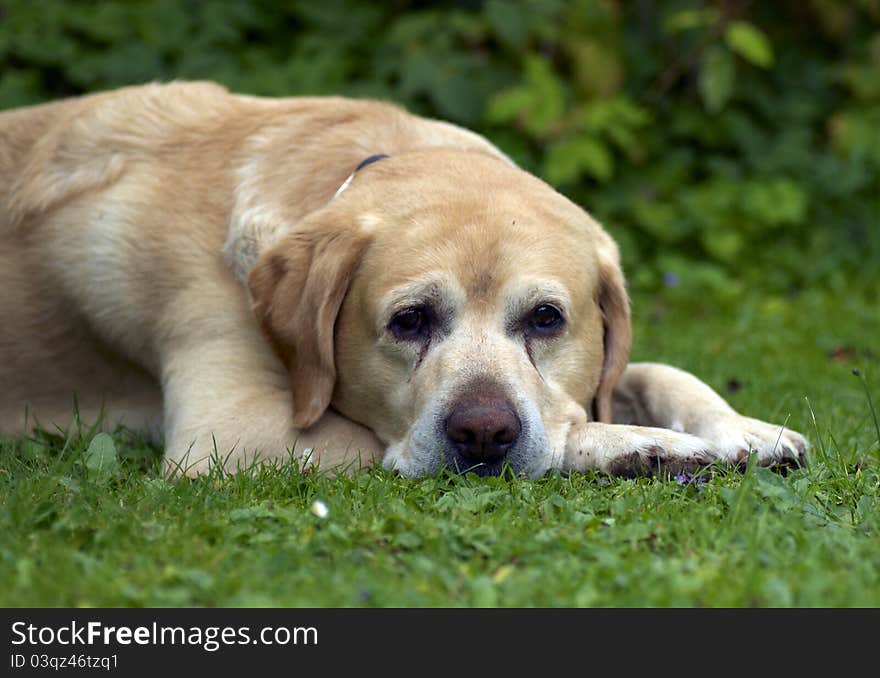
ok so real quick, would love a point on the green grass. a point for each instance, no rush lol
(75, 535)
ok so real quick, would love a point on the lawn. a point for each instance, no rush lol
(74, 532)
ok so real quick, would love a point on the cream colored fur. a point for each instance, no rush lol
(173, 257)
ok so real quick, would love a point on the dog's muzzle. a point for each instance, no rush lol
(481, 430)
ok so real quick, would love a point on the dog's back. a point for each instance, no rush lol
(53, 156)
(20, 131)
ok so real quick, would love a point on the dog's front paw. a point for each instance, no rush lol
(736, 436)
(636, 450)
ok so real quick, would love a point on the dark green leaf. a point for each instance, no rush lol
(717, 76)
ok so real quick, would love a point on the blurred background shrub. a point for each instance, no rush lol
(728, 146)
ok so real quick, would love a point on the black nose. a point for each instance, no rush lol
(484, 430)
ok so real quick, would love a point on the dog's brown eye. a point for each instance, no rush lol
(545, 319)
(411, 323)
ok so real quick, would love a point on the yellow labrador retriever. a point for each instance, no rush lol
(337, 279)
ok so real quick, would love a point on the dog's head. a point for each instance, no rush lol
(459, 307)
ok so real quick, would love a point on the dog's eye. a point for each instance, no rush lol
(545, 319)
(410, 323)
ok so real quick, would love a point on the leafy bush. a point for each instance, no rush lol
(726, 145)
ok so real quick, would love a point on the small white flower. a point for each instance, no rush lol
(319, 508)
(307, 457)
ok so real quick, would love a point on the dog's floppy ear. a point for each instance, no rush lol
(614, 304)
(298, 286)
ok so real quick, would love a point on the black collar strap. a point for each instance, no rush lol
(371, 160)
(363, 163)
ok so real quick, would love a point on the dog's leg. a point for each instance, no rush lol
(227, 398)
(339, 445)
(624, 450)
(223, 406)
(650, 394)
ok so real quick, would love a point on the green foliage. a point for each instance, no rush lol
(725, 145)
(749, 42)
(100, 455)
(72, 535)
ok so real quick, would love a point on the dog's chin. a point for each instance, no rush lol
(513, 466)
(458, 464)
(417, 465)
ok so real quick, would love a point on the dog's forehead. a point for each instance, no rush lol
(452, 183)
(483, 248)
(470, 218)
